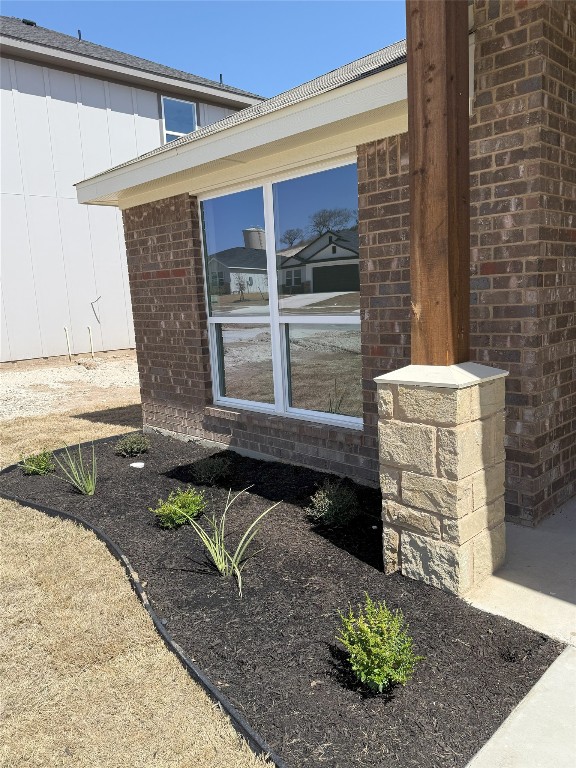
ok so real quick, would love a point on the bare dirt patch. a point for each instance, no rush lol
(55, 385)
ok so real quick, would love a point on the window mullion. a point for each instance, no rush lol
(275, 330)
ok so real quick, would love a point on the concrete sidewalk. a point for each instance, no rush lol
(537, 588)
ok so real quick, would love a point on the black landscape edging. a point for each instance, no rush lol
(254, 740)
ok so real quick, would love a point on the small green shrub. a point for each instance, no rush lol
(214, 541)
(81, 477)
(381, 653)
(179, 508)
(132, 445)
(37, 464)
(333, 505)
(212, 470)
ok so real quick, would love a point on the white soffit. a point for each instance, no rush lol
(336, 121)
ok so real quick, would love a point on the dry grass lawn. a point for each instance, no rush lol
(86, 680)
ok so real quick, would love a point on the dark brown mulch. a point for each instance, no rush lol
(273, 653)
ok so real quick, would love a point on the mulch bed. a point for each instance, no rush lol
(273, 653)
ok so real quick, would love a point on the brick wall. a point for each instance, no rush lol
(166, 283)
(523, 161)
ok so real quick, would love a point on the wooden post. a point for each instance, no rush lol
(438, 135)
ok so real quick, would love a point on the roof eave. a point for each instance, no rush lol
(367, 95)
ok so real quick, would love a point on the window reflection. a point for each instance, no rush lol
(325, 368)
(179, 117)
(235, 247)
(316, 223)
(245, 363)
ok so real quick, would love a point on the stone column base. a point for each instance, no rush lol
(441, 443)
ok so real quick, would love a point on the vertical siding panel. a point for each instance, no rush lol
(109, 276)
(49, 276)
(33, 130)
(79, 268)
(125, 280)
(66, 143)
(94, 126)
(10, 170)
(209, 113)
(121, 128)
(18, 287)
(5, 352)
(148, 124)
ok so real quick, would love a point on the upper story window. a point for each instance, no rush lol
(179, 117)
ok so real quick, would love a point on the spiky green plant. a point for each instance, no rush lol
(226, 562)
(80, 476)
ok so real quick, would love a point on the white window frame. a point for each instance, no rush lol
(166, 133)
(273, 320)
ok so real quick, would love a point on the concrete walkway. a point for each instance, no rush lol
(537, 588)
(537, 585)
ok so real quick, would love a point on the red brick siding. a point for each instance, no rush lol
(523, 161)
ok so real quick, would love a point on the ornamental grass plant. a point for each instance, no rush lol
(82, 477)
(226, 562)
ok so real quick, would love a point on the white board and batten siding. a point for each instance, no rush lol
(63, 264)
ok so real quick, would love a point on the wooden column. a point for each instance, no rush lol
(437, 40)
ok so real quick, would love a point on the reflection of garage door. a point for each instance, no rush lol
(343, 277)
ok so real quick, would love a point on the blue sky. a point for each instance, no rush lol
(262, 46)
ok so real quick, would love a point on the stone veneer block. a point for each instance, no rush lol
(408, 446)
(462, 529)
(385, 403)
(489, 551)
(488, 485)
(450, 498)
(405, 517)
(390, 548)
(466, 449)
(486, 399)
(390, 483)
(437, 563)
(434, 405)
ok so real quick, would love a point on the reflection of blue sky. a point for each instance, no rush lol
(297, 199)
(226, 217)
(294, 202)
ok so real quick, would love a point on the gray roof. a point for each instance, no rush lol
(385, 58)
(240, 258)
(16, 29)
(345, 238)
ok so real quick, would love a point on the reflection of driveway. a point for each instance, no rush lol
(305, 299)
(290, 303)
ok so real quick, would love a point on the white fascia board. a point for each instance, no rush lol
(110, 71)
(363, 96)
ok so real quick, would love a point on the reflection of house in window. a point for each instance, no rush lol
(329, 263)
(241, 269)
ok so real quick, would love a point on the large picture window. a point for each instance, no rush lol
(282, 284)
